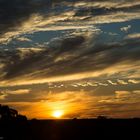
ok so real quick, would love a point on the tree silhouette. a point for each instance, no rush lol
(7, 113)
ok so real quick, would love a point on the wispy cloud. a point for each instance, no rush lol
(133, 81)
(113, 83)
(122, 82)
(133, 36)
(72, 15)
(93, 60)
(126, 29)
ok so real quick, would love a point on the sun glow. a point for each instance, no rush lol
(58, 114)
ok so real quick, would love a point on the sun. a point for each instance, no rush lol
(58, 114)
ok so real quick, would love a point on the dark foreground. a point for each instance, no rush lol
(70, 129)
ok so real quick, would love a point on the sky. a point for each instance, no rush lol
(79, 57)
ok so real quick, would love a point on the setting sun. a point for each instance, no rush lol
(57, 114)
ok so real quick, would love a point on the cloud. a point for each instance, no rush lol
(128, 96)
(13, 13)
(5, 94)
(22, 9)
(71, 15)
(81, 56)
(107, 3)
(81, 104)
(133, 81)
(16, 92)
(2, 96)
(15, 17)
(126, 29)
(69, 58)
(107, 11)
(122, 82)
(23, 39)
(133, 36)
(113, 83)
(103, 84)
(69, 102)
(89, 56)
(120, 94)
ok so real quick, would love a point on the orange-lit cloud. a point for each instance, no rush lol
(81, 105)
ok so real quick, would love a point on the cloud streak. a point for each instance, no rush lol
(71, 15)
(62, 57)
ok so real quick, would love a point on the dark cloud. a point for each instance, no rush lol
(70, 56)
(98, 11)
(43, 60)
(14, 12)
